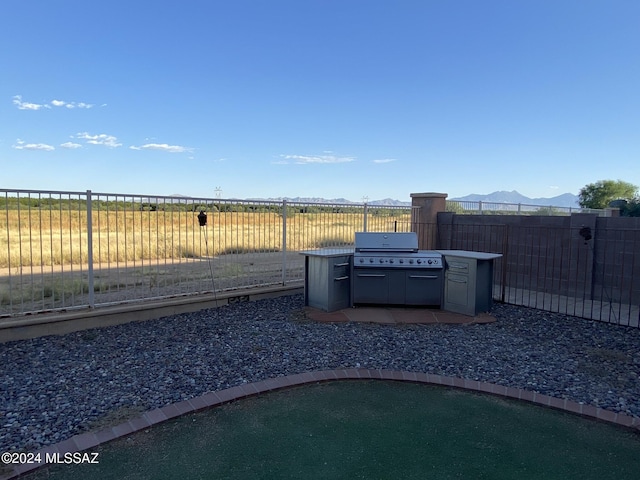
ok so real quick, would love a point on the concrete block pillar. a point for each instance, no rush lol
(425, 218)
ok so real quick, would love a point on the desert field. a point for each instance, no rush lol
(46, 262)
(50, 237)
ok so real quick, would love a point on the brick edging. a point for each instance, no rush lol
(89, 440)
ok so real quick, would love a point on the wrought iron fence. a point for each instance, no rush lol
(65, 250)
(576, 271)
(497, 208)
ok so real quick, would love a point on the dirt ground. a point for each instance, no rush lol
(33, 289)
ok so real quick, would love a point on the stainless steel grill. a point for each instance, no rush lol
(393, 250)
(388, 268)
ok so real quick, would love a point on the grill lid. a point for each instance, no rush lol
(386, 242)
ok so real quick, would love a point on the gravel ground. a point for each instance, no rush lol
(54, 387)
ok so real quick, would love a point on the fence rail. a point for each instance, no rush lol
(497, 208)
(568, 270)
(64, 250)
(70, 250)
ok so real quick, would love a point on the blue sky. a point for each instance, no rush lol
(333, 98)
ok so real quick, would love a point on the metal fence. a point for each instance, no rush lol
(497, 208)
(66, 250)
(584, 273)
(70, 250)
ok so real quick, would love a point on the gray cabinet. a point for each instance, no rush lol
(327, 279)
(468, 281)
(388, 286)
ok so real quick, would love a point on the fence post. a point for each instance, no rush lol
(428, 205)
(480, 206)
(92, 299)
(364, 226)
(284, 242)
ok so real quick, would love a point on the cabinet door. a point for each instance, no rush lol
(459, 265)
(457, 294)
(341, 279)
(370, 286)
(423, 287)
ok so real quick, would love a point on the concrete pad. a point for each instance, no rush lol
(395, 316)
(326, 317)
(413, 315)
(369, 315)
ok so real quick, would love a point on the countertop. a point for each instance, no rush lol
(468, 254)
(328, 252)
(338, 252)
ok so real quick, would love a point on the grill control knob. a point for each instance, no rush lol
(401, 260)
(381, 260)
(371, 260)
(411, 261)
(419, 261)
(429, 261)
(362, 260)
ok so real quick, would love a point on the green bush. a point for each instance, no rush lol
(631, 209)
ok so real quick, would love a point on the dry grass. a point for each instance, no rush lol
(37, 237)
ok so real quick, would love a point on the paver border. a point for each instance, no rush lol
(87, 440)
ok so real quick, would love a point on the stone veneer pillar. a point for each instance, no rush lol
(424, 220)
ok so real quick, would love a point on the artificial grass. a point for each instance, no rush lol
(372, 430)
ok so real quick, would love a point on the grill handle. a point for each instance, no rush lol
(371, 275)
(455, 280)
(458, 266)
(423, 276)
(337, 279)
(341, 265)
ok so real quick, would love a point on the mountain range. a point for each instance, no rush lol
(564, 200)
(387, 202)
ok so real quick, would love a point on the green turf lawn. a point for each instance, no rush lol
(371, 430)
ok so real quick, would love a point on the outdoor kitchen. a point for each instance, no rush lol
(389, 269)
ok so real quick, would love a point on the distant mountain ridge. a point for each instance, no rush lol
(502, 196)
(387, 202)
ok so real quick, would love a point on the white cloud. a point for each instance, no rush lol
(21, 145)
(162, 147)
(70, 105)
(101, 139)
(306, 159)
(385, 160)
(71, 145)
(17, 101)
